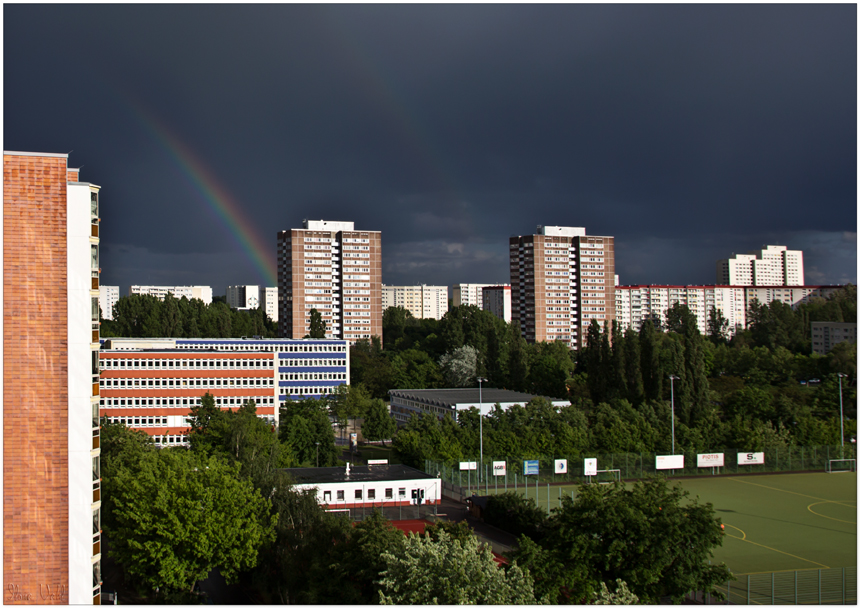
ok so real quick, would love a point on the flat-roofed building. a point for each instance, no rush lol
(773, 265)
(561, 281)
(243, 297)
(827, 334)
(422, 301)
(151, 383)
(374, 486)
(497, 300)
(408, 403)
(335, 269)
(108, 296)
(201, 292)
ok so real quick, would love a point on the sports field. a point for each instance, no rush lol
(772, 522)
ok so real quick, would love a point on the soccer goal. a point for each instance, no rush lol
(608, 476)
(842, 465)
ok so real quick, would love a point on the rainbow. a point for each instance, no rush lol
(225, 207)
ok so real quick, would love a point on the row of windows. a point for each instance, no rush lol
(307, 390)
(115, 363)
(371, 494)
(313, 376)
(338, 362)
(185, 402)
(277, 348)
(186, 383)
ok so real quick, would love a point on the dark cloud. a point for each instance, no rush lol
(685, 131)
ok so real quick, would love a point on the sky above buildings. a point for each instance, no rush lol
(687, 132)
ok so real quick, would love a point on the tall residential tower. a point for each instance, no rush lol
(561, 280)
(335, 269)
(51, 472)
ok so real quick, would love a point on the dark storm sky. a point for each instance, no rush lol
(686, 132)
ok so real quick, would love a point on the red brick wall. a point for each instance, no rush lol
(35, 380)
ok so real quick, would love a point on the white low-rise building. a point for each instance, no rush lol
(201, 292)
(373, 486)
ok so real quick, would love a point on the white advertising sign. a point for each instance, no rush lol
(561, 466)
(710, 460)
(670, 462)
(370, 462)
(500, 467)
(468, 466)
(591, 466)
(750, 457)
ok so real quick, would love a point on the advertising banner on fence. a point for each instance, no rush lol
(561, 466)
(710, 460)
(750, 457)
(370, 462)
(670, 462)
(500, 467)
(468, 466)
(591, 466)
(530, 467)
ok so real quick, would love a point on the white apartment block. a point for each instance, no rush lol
(827, 334)
(773, 265)
(497, 300)
(108, 296)
(201, 292)
(634, 304)
(422, 301)
(269, 302)
(469, 294)
(243, 297)
(561, 281)
(335, 269)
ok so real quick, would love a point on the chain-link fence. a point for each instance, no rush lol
(398, 513)
(633, 466)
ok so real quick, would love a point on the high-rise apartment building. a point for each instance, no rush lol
(468, 294)
(335, 269)
(561, 280)
(497, 299)
(108, 296)
(422, 301)
(773, 265)
(269, 302)
(243, 296)
(201, 292)
(51, 472)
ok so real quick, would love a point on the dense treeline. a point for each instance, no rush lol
(145, 316)
(761, 389)
(174, 514)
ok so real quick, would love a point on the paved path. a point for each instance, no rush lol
(500, 541)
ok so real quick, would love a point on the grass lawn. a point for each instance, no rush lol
(772, 522)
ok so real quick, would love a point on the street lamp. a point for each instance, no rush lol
(481, 422)
(841, 424)
(672, 385)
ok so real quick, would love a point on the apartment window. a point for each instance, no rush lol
(340, 494)
(358, 494)
(401, 492)
(371, 495)
(389, 493)
(327, 496)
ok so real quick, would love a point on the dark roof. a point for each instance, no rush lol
(450, 397)
(376, 472)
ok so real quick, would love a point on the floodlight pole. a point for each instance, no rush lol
(318, 454)
(481, 423)
(841, 424)
(672, 386)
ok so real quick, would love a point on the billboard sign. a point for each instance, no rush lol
(591, 466)
(468, 466)
(670, 462)
(370, 462)
(530, 467)
(710, 460)
(560, 466)
(500, 467)
(750, 457)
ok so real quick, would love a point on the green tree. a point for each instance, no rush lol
(122, 448)
(317, 327)
(622, 596)
(652, 536)
(459, 366)
(361, 557)
(180, 516)
(515, 514)
(469, 574)
(378, 424)
(304, 423)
